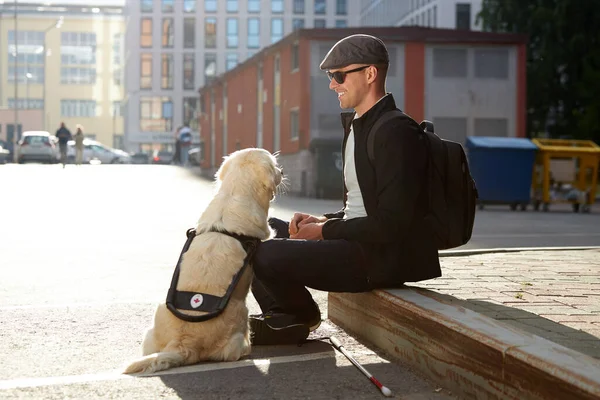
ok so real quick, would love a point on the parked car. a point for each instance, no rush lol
(96, 152)
(162, 157)
(140, 158)
(4, 155)
(37, 146)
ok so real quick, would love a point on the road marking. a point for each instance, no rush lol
(261, 363)
(81, 305)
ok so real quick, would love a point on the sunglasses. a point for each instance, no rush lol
(340, 76)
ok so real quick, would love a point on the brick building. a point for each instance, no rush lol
(467, 83)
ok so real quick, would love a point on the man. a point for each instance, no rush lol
(63, 135)
(79, 145)
(379, 239)
(185, 139)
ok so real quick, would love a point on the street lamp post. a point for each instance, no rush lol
(56, 25)
(28, 76)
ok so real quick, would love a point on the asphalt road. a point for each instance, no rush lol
(86, 253)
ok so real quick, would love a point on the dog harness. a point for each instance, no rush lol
(193, 301)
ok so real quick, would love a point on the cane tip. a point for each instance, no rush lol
(386, 392)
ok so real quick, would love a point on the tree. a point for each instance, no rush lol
(563, 61)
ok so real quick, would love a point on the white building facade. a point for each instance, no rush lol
(174, 47)
(449, 14)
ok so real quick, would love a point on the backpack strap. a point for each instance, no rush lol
(387, 116)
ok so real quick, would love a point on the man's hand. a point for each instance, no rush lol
(301, 219)
(309, 231)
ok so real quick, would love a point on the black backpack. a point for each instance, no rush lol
(452, 191)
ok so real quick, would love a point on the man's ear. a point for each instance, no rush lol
(372, 74)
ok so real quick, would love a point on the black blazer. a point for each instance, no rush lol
(394, 236)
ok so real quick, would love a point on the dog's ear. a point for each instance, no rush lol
(223, 169)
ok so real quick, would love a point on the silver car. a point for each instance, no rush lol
(37, 146)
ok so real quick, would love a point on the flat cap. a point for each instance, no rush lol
(356, 49)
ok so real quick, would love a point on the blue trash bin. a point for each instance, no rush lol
(502, 169)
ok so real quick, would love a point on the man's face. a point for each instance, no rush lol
(352, 90)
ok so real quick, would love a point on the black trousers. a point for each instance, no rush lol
(284, 267)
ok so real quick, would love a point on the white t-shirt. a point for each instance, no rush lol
(355, 206)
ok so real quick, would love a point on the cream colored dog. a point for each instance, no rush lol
(246, 184)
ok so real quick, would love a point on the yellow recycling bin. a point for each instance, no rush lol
(565, 171)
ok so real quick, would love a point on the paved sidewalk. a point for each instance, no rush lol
(552, 294)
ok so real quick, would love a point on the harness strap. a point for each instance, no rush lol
(193, 301)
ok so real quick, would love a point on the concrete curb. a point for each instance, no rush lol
(474, 356)
(469, 252)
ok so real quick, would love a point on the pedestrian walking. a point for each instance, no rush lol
(63, 135)
(79, 145)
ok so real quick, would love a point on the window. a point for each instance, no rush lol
(189, 72)
(146, 5)
(277, 6)
(253, 33)
(190, 112)
(276, 29)
(31, 104)
(116, 109)
(232, 6)
(146, 37)
(166, 71)
(210, 5)
(78, 48)
(320, 7)
(189, 6)
(434, 16)
(116, 48)
(37, 74)
(189, 33)
(167, 32)
(455, 128)
(297, 23)
(156, 114)
(298, 6)
(167, 5)
(295, 56)
(449, 63)
(231, 60)
(253, 6)
(491, 127)
(320, 23)
(341, 7)
(210, 33)
(117, 76)
(31, 47)
(77, 108)
(491, 63)
(146, 71)
(232, 33)
(463, 16)
(77, 75)
(341, 23)
(294, 124)
(210, 67)
(429, 18)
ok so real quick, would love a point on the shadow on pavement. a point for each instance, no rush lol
(303, 379)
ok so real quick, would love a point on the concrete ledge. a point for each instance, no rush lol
(474, 356)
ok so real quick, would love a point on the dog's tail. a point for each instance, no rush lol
(155, 362)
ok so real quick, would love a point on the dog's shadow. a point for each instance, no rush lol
(269, 372)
